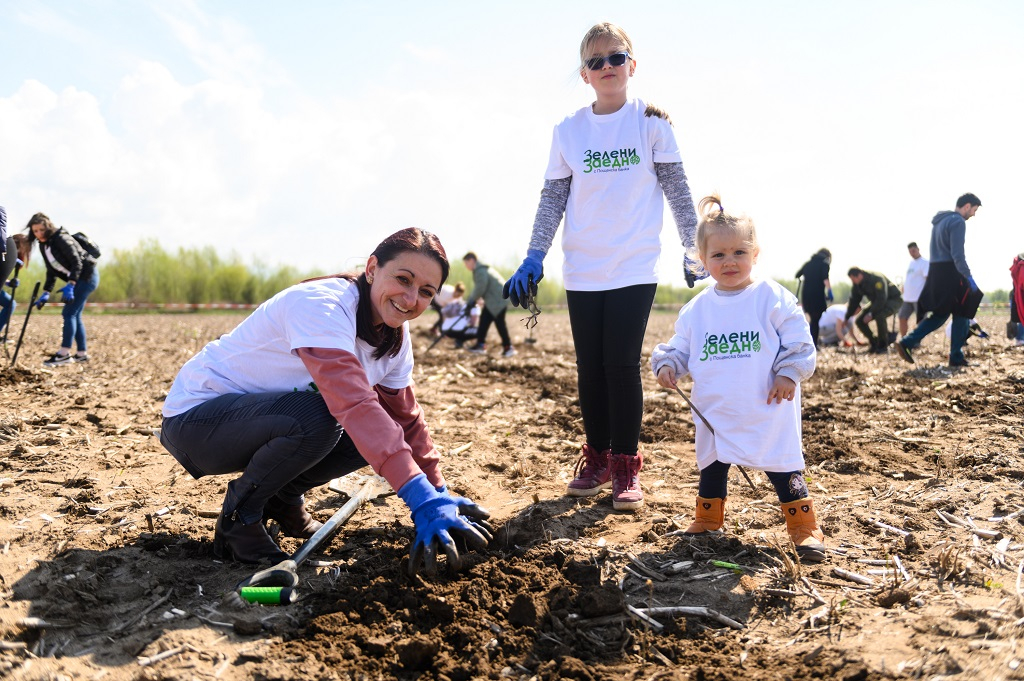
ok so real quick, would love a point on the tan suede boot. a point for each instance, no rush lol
(710, 516)
(802, 525)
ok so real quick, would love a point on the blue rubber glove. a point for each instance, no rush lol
(828, 295)
(476, 513)
(437, 518)
(67, 294)
(525, 279)
(690, 270)
(974, 284)
(41, 300)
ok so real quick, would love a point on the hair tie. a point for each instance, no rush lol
(720, 209)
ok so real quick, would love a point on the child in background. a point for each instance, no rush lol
(457, 321)
(611, 168)
(747, 346)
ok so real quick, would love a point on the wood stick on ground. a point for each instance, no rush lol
(696, 611)
(890, 528)
(653, 574)
(645, 618)
(852, 576)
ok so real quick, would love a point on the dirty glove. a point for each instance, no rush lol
(524, 282)
(688, 271)
(42, 300)
(476, 513)
(67, 294)
(437, 518)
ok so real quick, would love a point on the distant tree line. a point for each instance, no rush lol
(148, 273)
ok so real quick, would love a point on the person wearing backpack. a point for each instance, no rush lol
(65, 258)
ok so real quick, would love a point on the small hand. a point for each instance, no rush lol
(667, 378)
(782, 389)
(42, 300)
(867, 318)
(13, 283)
(67, 294)
(524, 282)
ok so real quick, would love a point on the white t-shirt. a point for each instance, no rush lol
(832, 315)
(613, 219)
(913, 284)
(259, 355)
(445, 295)
(732, 343)
(453, 319)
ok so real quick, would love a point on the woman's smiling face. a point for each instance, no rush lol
(402, 288)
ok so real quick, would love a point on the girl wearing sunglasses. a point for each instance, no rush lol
(611, 163)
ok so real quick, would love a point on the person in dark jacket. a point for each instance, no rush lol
(817, 289)
(65, 259)
(950, 288)
(884, 300)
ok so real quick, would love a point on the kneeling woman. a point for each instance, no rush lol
(317, 383)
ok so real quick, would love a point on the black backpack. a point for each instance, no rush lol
(87, 244)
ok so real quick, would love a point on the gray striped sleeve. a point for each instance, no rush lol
(672, 179)
(553, 199)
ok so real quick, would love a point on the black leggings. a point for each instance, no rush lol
(815, 318)
(608, 332)
(499, 322)
(714, 483)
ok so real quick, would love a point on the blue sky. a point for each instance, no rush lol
(305, 132)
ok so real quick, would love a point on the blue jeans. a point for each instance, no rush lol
(7, 306)
(72, 312)
(959, 332)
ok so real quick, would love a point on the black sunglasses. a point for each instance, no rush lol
(617, 59)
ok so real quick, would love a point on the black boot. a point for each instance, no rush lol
(245, 543)
(294, 520)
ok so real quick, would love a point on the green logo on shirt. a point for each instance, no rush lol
(727, 346)
(604, 161)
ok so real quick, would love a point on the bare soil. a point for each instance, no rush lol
(106, 569)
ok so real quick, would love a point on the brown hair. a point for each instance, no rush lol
(386, 340)
(24, 247)
(39, 219)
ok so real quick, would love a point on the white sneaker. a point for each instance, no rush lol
(510, 352)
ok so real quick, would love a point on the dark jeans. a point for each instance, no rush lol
(499, 322)
(283, 443)
(958, 334)
(714, 483)
(608, 333)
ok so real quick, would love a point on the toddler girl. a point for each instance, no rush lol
(747, 346)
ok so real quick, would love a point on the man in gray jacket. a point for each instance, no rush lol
(488, 285)
(949, 289)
